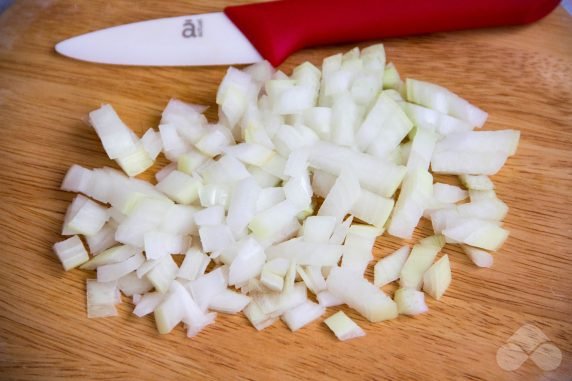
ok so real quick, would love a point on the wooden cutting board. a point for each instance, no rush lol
(522, 76)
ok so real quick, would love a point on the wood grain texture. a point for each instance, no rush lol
(522, 76)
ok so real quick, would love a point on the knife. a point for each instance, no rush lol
(273, 30)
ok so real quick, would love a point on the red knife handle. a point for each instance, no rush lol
(279, 28)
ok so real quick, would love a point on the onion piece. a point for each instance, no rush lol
(421, 149)
(446, 194)
(148, 303)
(103, 239)
(318, 229)
(206, 287)
(257, 318)
(180, 187)
(102, 298)
(388, 269)
(158, 244)
(374, 174)
(437, 278)
(213, 215)
(215, 237)
(162, 274)
(474, 163)
(484, 234)
(341, 197)
(77, 179)
(343, 327)
(486, 209)
(384, 127)
(410, 301)
(478, 195)
(312, 278)
(131, 284)
(117, 139)
(327, 299)
(152, 144)
(502, 141)
(419, 261)
(416, 193)
(194, 265)
(481, 183)
(135, 162)
(361, 295)
(173, 144)
(357, 249)
(340, 232)
(84, 217)
(269, 197)
(269, 222)
(229, 302)
(306, 253)
(479, 257)
(271, 280)
(440, 99)
(115, 271)
(372, 208)
(302, 315)
(319, 119)
(178, 220)
(115, 254)
(248, 262)
(426, 118)
(71, 252)
(189, 161)
(276, 303)
(346, 116)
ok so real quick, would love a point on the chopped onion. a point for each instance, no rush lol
(446, 194)
(318, 229)
(206, 287)
(421, 257)
(148, 303)
(343, 327)
(481, 183)
(358, 246)
(71, 252)
(388, 269)
(162, 274)
(115, 254)
(215, 237)
(117, 139)
(102, 298)
(180, 187)
(103, 239)
(416, 193)
(84, 217)
(442, 100)
(194, 265)
(241, 191)
(327, 299)
(479, 257)
(213, 215)
(341, 197)
(437, 278)
(229, 302)
(302, 315)
(131, 284)
(111, 272)
(410, 301)
(361, 295)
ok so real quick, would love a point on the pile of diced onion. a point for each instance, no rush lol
(240, 200)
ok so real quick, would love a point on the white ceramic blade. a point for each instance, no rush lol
(197, 40)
